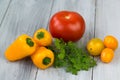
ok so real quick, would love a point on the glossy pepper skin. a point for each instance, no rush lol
(42, 37)
(23, 46)
(43, 58)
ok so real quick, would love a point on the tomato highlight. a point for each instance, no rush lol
(68, 25)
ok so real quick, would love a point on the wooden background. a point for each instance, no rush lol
(25, 16)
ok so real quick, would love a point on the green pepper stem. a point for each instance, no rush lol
(46, 60)
(29, 42)
(40, 35)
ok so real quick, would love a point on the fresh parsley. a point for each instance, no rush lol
(71, 57)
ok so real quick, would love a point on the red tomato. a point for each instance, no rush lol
(70, 26)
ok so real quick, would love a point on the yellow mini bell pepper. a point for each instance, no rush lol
(23, 46)
(43, 58)
(42, 37)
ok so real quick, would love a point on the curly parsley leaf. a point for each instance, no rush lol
(71, 57)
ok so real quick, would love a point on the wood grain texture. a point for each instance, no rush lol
(4, 4)
(87, 9)
(108, 23)
(22, 17)
(26, 16)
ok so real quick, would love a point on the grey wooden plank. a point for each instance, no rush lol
(23, 16)
(4, 4)
(87, 9)
(108, 23)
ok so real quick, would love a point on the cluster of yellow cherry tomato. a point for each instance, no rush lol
(105, 49)
(35, 47)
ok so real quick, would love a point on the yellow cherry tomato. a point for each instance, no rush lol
(95, 46)
(111, 42)
(107, 55)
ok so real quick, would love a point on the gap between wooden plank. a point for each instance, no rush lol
(50, 14)
(95, 17)
(5, 12)
(47, 29)
(94, 33)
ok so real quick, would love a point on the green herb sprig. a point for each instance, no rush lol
(69, 56)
